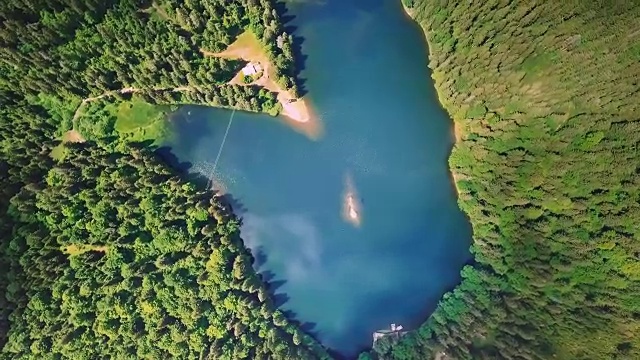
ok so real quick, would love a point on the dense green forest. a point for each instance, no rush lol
(546, 100)
(85, 48)
(123, 259)
(109, 253)
(106, 251)
(65, 51)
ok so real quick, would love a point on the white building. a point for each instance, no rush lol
(251, 69)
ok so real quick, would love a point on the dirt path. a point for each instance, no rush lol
(74, 136)
(297, 112)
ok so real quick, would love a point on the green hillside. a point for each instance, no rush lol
(546, 100)
(124, 260)
(106, 252)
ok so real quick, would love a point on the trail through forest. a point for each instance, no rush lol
(74, 136)
(248, 48)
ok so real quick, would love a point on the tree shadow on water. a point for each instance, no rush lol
(191, 124)
(234, 204)
(167, 155)
(267, 276)
(299, 62)
(259, 257)
(281, 298)
(276, 284)
(300, 59)
(307, 326)
(272, 286)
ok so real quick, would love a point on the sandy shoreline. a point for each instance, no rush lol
(297, 113)
(407, 11)
(300, 116)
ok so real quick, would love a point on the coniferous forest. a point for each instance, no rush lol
(545, 96)
(106, 252)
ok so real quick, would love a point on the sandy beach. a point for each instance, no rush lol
(408, 11)
(297, 113)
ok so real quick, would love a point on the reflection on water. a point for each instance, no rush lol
(301, 238)
(351, 207)
(386, 142)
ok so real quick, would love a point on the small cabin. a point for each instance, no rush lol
(251, 69)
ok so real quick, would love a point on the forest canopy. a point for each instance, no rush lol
(126, 260)
(66, 51)
(544, 95)
(107, 252)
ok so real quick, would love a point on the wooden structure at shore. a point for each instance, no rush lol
(396, 331)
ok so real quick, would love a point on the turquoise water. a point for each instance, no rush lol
(385, 133)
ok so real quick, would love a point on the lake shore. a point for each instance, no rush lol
(456, 130)
(407, 10)
(352, 217)
(297, 112)
(299, 115)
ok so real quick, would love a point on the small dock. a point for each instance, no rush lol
(395, 332)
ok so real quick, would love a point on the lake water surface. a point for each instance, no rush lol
(385, 134)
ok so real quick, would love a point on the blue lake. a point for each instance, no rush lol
(386, 139)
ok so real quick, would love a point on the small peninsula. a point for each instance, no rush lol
(297, 111)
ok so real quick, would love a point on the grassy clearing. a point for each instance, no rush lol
(137, 120)
(133, 121)
(58, 152)
(246, 46)
(73, 250)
